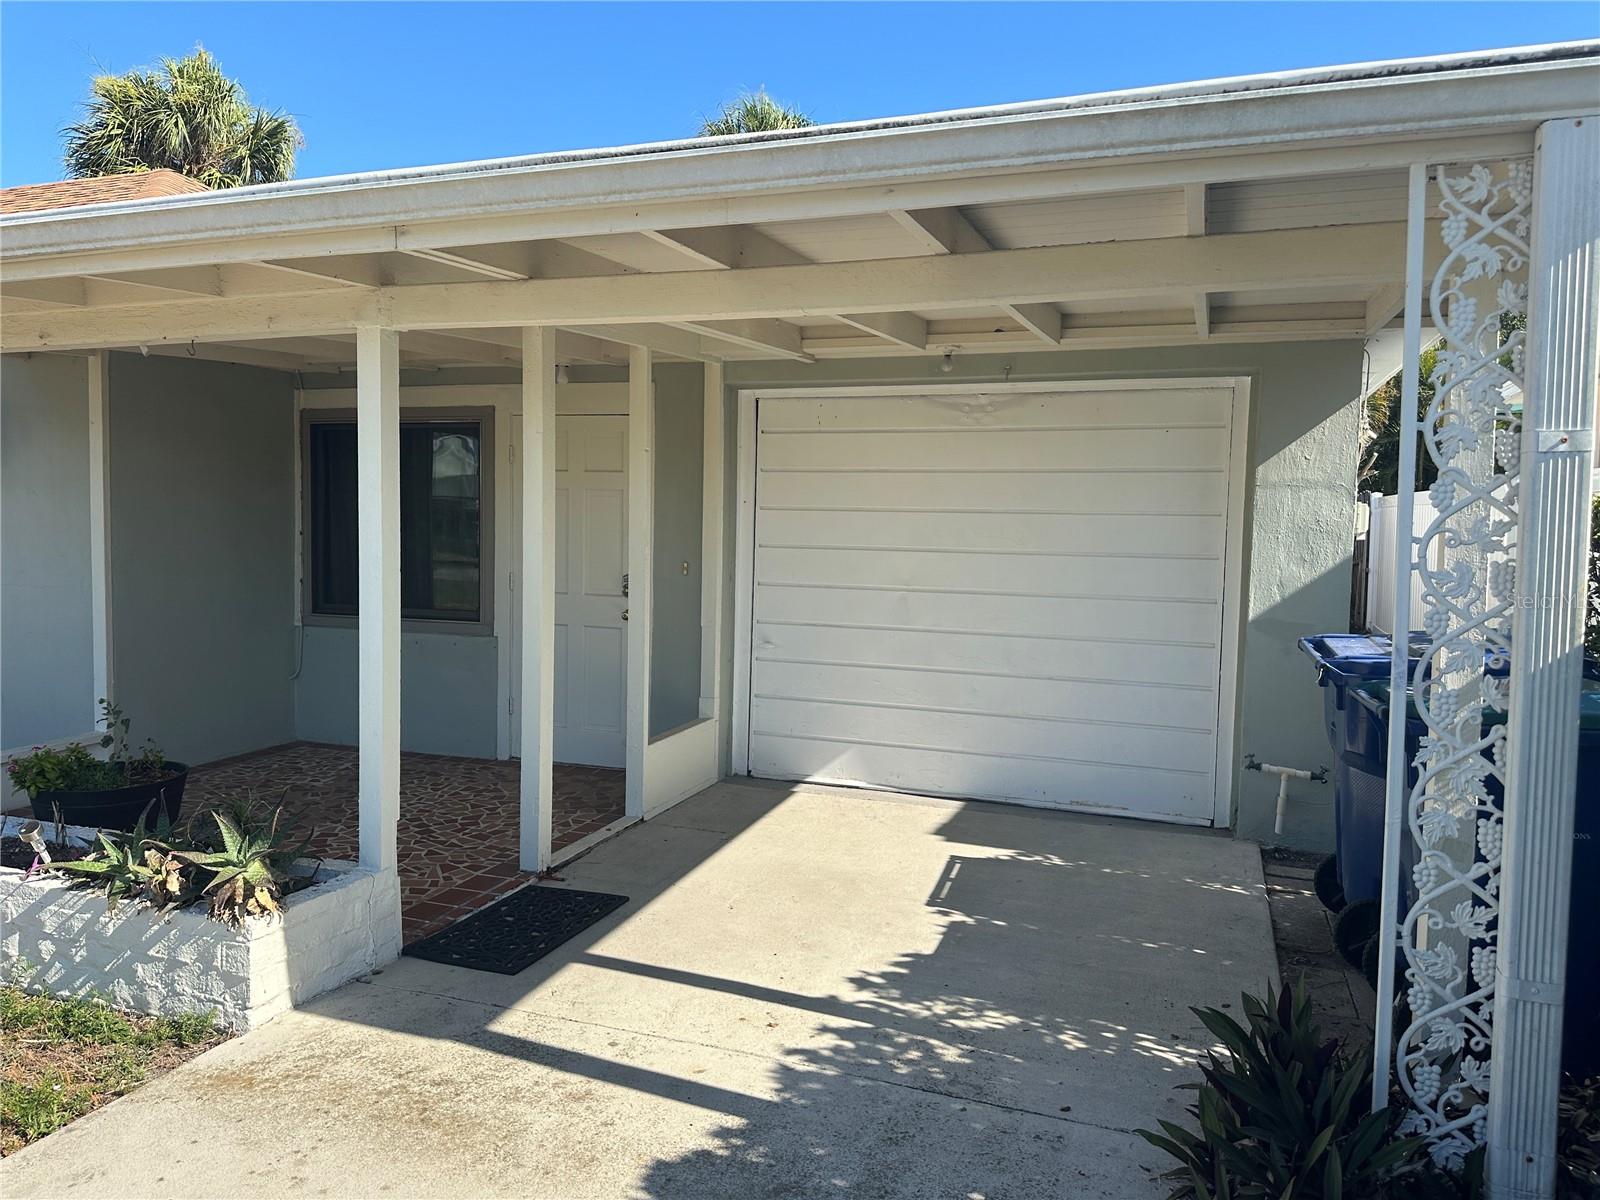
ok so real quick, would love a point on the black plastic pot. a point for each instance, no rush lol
(117, 808)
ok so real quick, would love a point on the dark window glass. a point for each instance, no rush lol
(441, 519)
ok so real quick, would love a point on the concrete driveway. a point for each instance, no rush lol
(811, 993)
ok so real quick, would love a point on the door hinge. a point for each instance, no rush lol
(511, 577)
(511, 706)
(511, 452)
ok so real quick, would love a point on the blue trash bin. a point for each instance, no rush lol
(1344, 661)
(1581, 1026)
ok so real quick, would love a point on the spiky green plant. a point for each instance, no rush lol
(133, 867)
(1283, 1113)
(186, 116)
(247, 874)
(753, 112)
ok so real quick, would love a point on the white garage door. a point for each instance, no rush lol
(1014, 594)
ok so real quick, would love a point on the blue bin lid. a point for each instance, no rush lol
(1347, 657)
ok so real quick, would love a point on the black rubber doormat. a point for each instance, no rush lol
(512, 934)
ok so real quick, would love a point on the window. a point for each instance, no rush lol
(444, 488)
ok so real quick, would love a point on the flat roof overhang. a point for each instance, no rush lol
(1259, 208)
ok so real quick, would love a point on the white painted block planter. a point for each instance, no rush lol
(63, 940)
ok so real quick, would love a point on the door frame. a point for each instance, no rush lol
(1235, 533)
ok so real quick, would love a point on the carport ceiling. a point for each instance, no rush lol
(1294, 307)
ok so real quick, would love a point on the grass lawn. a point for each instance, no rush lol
(61, 1058)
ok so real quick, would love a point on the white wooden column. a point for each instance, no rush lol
(537, 577)
(712, 499)
(378, 524)
(641, 565)
(100, 529)
(1546, 659)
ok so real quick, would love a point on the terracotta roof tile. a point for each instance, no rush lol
(68, 193)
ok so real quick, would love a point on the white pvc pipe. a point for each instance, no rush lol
(1284, 774)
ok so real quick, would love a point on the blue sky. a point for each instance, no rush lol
(377, 85)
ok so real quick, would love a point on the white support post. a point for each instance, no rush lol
(1396, 790)
(641, 565)
(537, 574)
(1558, 425)
(712, 500)
(100, 528)
(378, 523)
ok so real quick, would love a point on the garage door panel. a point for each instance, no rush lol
(1064, 741)
(1021, 657)
(1016, 595)
(1192, 708)
(1049, 784)
(1024, 574)
(979, 411)
(1062, 493)
(1143, 620)
(1029, 533)
(1011, 450)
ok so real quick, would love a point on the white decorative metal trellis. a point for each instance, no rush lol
(1450, 845)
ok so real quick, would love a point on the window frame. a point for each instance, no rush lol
(483, 626)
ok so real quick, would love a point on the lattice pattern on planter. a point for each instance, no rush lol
(1470, 430)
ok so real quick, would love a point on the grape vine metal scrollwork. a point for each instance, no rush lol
(1466, 559)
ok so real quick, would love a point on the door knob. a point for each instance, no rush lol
(624, 614)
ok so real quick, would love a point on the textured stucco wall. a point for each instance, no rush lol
(202, 529)
(46, 673)
(448, 691)
(1300, 524)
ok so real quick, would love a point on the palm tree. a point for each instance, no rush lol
(186, 116)
(753, 112)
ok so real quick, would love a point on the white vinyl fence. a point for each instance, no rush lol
(1381, 557)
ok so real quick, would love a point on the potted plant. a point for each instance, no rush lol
(71, 786)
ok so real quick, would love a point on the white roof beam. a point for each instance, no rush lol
(1194, 209)
(728, 247)
(777, 338)
(67, 292)
(941, 230)
(902, 328)
(1043, 321)
(947, 231)
(1364, 256)
(1385, 305)
(249, 356)
(492, 262)
(353, 269)
(662, 340)
(453, 348)
(1202, 315)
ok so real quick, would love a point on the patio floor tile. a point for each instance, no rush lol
(458, 817)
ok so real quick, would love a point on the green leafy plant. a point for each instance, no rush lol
(1284, 1113)
(753, 112)
(73, 768)
(185, 116)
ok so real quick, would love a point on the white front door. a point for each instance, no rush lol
(591, 666)
(1011, 594)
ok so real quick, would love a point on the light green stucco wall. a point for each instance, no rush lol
(46, 673)
(202, 529)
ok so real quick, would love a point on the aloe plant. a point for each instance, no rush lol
(133, 867)
(246, 875)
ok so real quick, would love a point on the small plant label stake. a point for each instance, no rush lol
(1471, 430)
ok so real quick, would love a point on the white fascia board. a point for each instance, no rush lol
(849, 168)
